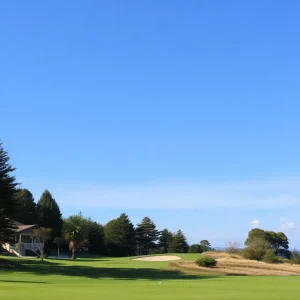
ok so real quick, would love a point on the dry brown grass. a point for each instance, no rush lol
(232, 264)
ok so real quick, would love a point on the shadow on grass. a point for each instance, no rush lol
(54, 268)
(81, 259)
(23, 281)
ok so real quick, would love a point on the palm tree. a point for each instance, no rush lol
(75, 232)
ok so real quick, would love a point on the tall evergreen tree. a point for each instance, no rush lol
(146, 236)
(26, 207)
(7, 197)
(120, 236)
(165, 240)
(49, 214)
(179, 243)
(95, 237)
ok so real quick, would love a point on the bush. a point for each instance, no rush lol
(295, 258)
(271, 258)
(254, 253)
(205, 261)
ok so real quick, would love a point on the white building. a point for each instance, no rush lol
(24, 240)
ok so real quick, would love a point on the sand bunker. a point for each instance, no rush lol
(158, 258)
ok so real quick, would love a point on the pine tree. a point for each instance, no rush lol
(120, 237)
(165, 240)
(146, 236)
(49, 214)
(95, 237)
(179, 243)
(26, 208)
(7, 197)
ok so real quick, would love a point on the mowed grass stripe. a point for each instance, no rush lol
(123, 278)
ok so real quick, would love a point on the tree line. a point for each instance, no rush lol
(119, 237)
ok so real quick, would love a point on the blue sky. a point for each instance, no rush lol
(186, 111)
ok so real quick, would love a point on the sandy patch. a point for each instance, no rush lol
(228, 264)
(158, 258)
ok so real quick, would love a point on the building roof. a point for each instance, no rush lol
(21, 227)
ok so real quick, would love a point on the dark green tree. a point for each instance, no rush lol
(8, 203)
(195, 248)
(279, 243)
(276, 241)
(179, 243)
(95, 237)
(26, 208)
(119, 235)
(146, 236)
(165, 240)
(49, 214)
(205, 245)
(255, 234)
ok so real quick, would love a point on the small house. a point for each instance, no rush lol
(24, 240)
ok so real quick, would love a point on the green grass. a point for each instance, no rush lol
(122, 278)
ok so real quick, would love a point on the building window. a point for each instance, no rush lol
(26, 239)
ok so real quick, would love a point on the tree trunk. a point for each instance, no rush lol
(73, 253)
(58, 252)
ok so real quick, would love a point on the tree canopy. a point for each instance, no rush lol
(276, 241)
(194, 248)
(75, 232)
(146, 236)
(49, 214)
(205, 245)
(165, 240)
(8, 203)
(179, 243)
(96, 243)
(120, 236)
(26, 207)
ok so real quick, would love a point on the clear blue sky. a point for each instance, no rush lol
(186, 111)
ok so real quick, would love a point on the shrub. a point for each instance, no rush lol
(205, 261)
(271, 258)
(254, 253)
(256, 249)
(295, 258)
